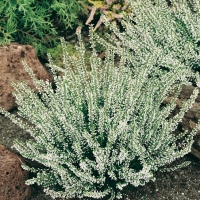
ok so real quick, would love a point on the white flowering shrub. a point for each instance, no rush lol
(99, 131)
(173, 28)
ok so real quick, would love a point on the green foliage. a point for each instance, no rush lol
(101, 130)
(56, 54)
(37, 22)
(172, 28)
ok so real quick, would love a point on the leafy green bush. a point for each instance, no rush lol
(103, 129)
(173, 28)
(37, 22)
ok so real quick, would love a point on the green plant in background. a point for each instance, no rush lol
(37, 22)
(112, 9)
(172, 28)
(104, 129)
(56, 54)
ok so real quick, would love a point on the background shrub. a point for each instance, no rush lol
(38, 22)
(112, 9)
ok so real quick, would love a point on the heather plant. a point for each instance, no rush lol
(103, 129)
(170, 26)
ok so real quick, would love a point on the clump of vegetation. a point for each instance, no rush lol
(37, 22)
(101, 130)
